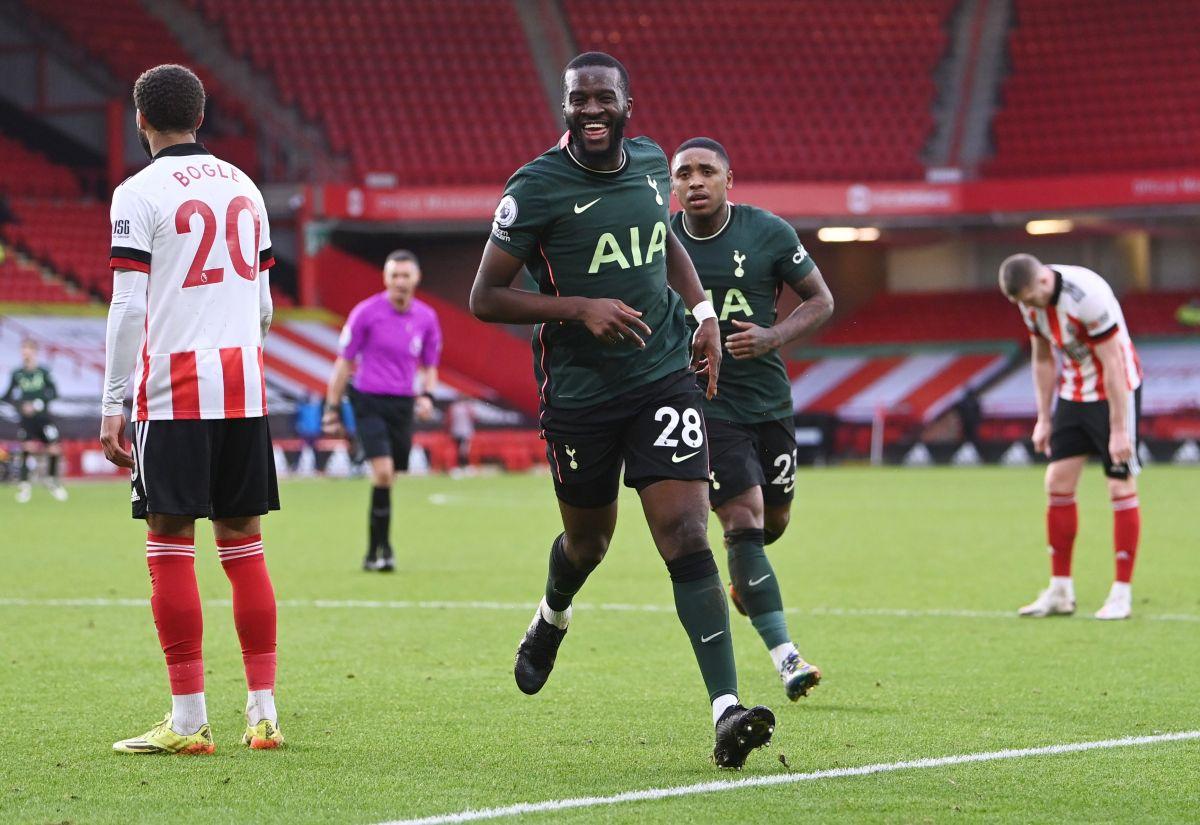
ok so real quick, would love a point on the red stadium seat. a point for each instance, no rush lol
(822, 91)
(1099, 85)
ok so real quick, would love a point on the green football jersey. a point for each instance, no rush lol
(743, 268)
(597, 235)
(35, 386)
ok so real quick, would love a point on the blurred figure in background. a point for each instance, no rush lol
(390, 340)
(460, 419)
(30, 391)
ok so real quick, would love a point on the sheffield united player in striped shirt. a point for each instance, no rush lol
(191, 305)
(1072, 311)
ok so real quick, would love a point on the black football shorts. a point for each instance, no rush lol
(214, 468)
(1081, 428)
(752, 455)
(37, 428)
(384, 425)
(656, 431)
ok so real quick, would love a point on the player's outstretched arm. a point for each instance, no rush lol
(816, 307)
(494, 300)
(1041, 359)
(706, 343)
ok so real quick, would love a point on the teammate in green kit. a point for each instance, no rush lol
(30, 391)
(745, 256)
(589, 219)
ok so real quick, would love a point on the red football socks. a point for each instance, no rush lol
(1127, 527)
(175, 602)
(253, 607)
(1062, 522)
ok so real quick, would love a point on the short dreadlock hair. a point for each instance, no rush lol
(170, 97)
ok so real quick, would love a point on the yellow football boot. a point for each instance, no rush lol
(161, 739)
(263, 736)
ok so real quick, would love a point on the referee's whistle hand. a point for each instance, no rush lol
(112, 440)
(331, 424)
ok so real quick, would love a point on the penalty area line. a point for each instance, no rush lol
(719, 786)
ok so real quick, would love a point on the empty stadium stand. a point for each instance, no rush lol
(829, 90)
(473, 112)
(71, 236)
(895, 317)
(122, 36)
(21, 282)
(1099, 85)
(25, 172)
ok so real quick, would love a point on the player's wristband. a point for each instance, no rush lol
(329, 408)
(703, 311)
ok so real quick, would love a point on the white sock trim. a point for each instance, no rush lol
(779, 654)
(260, 705)
(188, 713)
(721, 704)
(1121, 590)
(1063, 584)
(558, 618)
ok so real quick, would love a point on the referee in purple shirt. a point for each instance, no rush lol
(389, 340)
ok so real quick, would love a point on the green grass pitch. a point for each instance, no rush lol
(405, 710)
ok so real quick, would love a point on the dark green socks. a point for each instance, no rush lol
(756, 586)
(564, 578)
(704, 613)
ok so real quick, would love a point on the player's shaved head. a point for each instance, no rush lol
(704, 143)
(1018, 273)
(598, 59)
(170, 98)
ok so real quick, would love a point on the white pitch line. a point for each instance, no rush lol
(613, 607)
(788, 779)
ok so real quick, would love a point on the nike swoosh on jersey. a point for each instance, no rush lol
(707, 639)
(756, 582)
(580, 209)
(676, 458)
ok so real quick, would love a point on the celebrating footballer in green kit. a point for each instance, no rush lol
(744, 257)
(590, 220)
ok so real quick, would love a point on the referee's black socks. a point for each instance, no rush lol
(381, 519)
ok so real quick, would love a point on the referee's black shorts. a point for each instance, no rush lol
(384, 425)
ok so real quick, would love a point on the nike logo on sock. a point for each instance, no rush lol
(707, 639)
(756, 582)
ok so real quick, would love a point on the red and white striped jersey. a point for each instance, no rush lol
(197, 226)
(1082, 313)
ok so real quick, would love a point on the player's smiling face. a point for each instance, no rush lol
(595, 111)
(700, 180)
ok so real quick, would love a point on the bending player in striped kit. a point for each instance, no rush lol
(202, 448)
(1073, 311)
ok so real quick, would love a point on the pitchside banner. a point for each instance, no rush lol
(807, 200)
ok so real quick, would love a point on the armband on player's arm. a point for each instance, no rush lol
(126, 319)
(703, 311)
